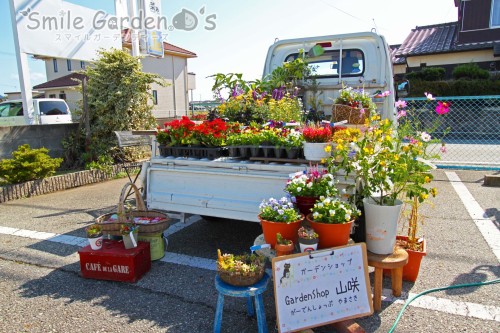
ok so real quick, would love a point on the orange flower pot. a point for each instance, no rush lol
(283, 250)
(287, 230)
(331, 235)
(412, 268)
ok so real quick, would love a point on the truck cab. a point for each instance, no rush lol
(358, 60)
(46, 111)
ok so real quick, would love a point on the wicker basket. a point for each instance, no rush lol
(342, 112)
(239, 280)
(113, 227)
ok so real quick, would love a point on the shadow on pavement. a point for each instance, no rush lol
(478, 274)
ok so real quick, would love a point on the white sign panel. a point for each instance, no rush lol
(322, 287)
(59, 29)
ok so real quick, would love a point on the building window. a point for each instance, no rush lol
(52, 96)
(495, 13)
(155, 97)
(82, 64)
(54, 62)
(62, 95)
(68, 62)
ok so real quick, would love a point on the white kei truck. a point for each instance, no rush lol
(233, 188)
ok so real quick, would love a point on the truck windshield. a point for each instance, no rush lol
(327, 64)
(50, 108)
(11, 109)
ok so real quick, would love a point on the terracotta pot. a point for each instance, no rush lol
(283, 250)
(331, 235)
(287, 230)
(304, 204)
(411, 269)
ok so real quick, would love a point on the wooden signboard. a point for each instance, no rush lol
(322, 287)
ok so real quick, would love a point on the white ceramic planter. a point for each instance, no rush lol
(95, 243)
(315, 151)
(308, 247)
(381, 226)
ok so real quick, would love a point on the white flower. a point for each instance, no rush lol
(309, 185)
(429, 96)
(332, 212)
(320, 205)
(327, 201)
(315, 214)
(299, 189)
(426, 137)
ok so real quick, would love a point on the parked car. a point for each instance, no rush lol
(46, 111)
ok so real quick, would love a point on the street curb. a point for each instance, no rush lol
(58, 183)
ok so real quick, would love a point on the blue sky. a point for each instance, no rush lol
(244, 30)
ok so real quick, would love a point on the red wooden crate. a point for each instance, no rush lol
(114, 262)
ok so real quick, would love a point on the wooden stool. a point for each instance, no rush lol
(395, 263)
(251, 292)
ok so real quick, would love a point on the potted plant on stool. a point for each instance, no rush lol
(129, 234)
(279, 216)
(94, 235)
(308, 239)
(283, 246)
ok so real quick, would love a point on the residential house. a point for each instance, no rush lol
(170, 101)
(475, 38)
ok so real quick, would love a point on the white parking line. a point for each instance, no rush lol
(466, 309)
(485, 225)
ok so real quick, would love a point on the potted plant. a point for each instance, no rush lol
(129, 234)
(307, 186)
(388, 164)
(283, 246)
(292, 142)
(94, 235)
(353, 105)
(316, 142)
(279, 216)
(332, 219)
(240, 270)
(308, 239)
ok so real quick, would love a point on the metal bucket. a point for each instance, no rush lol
(156, 244)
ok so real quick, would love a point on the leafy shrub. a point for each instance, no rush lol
(428, 74)
(470, 71)
(28, 164)
(455, 88)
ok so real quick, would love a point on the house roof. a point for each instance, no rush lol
(167, 47)
(69, 80)
(437, 38)
(430, 39)
(396, 60)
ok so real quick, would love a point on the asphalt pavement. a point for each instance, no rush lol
(42, 291)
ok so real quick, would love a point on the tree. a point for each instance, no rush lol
(118, 92)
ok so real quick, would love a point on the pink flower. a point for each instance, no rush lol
(361, 112)
(386, 93)
(401, 113)
(443, 107)
(400, 104)
(443, 149)
(413, 141)
(429, 96)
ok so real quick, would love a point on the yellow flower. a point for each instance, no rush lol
(427, 179)
(387, 138)
(406, 149)
(434, 191)
(382, 163)
(328, 148)
(366, 150)
(424, 196)
(396, 157)
(340, 141)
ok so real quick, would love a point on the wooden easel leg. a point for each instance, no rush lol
(347, 326)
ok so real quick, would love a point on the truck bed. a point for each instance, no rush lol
(226, 187)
